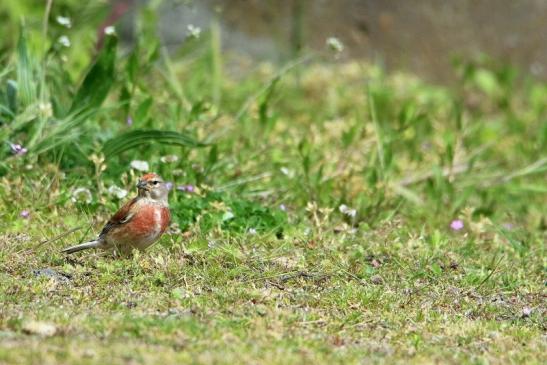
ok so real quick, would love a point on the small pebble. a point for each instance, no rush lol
(377, 280)
(50, 273)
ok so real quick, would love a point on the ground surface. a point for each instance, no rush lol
(259, 299)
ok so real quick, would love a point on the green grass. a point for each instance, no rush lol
(260, 264)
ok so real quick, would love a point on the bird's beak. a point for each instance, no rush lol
(141, 184)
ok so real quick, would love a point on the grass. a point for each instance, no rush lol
(261, 265)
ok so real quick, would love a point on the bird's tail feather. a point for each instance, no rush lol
(82, 246)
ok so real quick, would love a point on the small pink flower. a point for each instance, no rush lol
(129, 121)
(186, 188)
(25, 214)
(456, 224)
(17, 149)
(375, 263)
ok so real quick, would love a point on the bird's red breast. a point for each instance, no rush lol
(149, 219)
(138, 224)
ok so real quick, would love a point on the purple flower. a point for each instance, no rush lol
(283, 207)
(17, 149)
(169, 185)
(456, 224)
(25, 214)
(186, 188)
(129, 121)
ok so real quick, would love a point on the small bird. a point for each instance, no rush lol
(138, 224)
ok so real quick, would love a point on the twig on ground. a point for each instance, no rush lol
(72, 230)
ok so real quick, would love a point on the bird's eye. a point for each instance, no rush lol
(155, 182)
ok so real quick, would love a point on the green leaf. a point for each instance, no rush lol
(137, 138)
(263, 107)
(125, 100)
(213, 156)
(132, 67)
(11, 93)
(487, 82)
(98, 81)
(142, 110)
(25, 77)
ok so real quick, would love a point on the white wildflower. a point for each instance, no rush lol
(139, 165)
(169, 158)
(81, 195)
(344, 209)
(285, 171)
(227, 215)
(117, 191)
(64, 41)
(110, 30)
(193, 31)
(335, 44)
(64, 21)
(252, 231)
(45, 109)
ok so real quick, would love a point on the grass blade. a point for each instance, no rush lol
(98, 81)
(137, 138)
(26, 89)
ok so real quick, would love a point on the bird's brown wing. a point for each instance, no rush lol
(122, 216)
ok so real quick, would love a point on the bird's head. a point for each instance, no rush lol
(153, 187)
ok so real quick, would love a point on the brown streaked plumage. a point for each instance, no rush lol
(138, 223)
